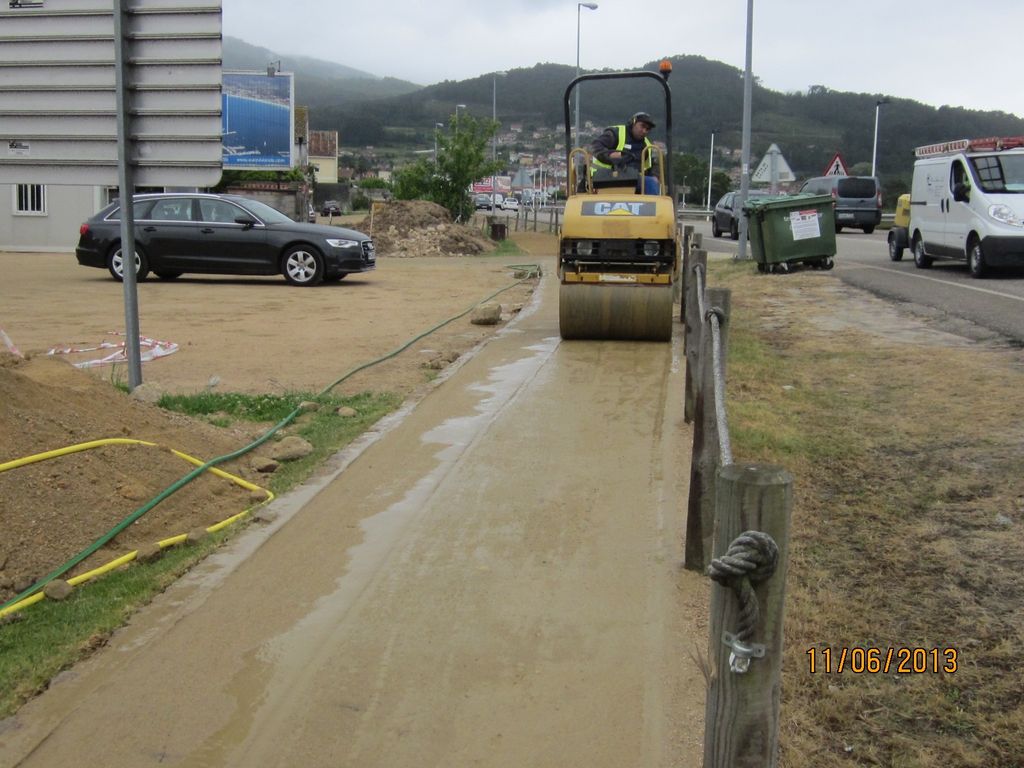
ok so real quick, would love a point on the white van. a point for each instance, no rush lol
(967, 203)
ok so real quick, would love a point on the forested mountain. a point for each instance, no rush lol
(707, 97)
(317, 82)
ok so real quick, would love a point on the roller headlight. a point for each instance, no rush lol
(1005, 215)
(584, 248)
(652, 248)
(337, 242)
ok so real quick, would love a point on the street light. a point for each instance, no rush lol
(592, 7)
(748, 81)
(494, 138)
(874, 148)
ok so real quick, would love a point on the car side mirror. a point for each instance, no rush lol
(961, 192)
(247, 222)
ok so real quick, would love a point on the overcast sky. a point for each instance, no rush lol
(935, 51)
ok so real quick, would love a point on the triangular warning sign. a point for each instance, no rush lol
(763, 173)
(836, 167)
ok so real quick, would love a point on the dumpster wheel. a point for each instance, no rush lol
(624, 312)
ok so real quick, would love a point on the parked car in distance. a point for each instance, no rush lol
(177, 233)
(330, 208)
(858, 199)
(481, 202)
(726, 216)
(510, 204)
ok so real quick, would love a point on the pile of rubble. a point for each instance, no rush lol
(420, 228)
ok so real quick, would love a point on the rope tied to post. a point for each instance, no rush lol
(750, 560)
(715, 316)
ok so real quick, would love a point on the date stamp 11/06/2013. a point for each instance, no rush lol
(870, 660)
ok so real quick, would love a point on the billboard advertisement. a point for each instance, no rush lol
(257, 118)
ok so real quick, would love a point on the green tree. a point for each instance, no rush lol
(462, 153)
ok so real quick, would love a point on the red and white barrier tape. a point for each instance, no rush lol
(9, 344)
(151, 350)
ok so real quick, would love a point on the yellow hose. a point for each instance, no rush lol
(127, 558)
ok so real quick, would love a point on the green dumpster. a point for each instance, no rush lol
(791, 229)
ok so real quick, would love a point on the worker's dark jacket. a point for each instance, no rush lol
(617, 138)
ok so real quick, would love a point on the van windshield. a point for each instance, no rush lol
(856, 187)
(1000, 173)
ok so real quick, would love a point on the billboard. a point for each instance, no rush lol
(257, 112)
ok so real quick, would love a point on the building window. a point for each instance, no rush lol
(30, 199)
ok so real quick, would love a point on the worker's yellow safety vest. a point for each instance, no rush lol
(645, 163)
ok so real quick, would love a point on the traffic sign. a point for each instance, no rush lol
(836, 167)
(773, 157)
(60, 89)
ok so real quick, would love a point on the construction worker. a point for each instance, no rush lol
(623, 146)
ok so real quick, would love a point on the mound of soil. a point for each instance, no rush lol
(52, 509)
(421, 228)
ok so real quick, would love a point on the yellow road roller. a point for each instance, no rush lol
(619, 246)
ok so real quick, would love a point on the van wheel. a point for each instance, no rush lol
(976, 260)
(921, 259)
(868, 229)
(839, 228)
(715, 231)
(895, 252)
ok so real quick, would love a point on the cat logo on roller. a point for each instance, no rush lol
(605, 208)
(619, 246)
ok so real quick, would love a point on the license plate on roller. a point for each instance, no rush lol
(617, 279)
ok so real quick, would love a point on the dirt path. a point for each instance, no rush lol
(493, 582)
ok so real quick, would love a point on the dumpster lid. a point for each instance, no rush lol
(801, 200)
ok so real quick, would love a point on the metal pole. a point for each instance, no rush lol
(593, 7)
(874, 148)
(711, 168)
(576, 136)
(125, 178)
(494, 138)
(741, 250)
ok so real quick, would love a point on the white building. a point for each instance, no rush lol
(45, 218)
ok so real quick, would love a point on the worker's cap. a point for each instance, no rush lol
(643, 117)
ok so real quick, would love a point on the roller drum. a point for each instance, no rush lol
(628, 312)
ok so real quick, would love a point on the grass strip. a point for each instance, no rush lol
(908, 497)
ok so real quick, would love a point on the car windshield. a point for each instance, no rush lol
(1004, 174)
(264, 212)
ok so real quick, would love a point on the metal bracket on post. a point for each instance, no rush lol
(742, 653)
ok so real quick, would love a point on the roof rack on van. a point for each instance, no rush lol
(993, 143)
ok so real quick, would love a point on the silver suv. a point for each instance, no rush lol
(858, 199)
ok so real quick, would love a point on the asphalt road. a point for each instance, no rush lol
(982, 309)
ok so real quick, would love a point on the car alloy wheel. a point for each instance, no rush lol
(303, 266)
(115, 264)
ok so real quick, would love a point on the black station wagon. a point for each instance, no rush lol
(177, 233)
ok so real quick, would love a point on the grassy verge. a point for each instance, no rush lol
(41, 641)
(507, 247)
(909, 498)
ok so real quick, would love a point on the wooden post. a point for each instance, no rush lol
(742, 710)
(693, 327)
(707, 446)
